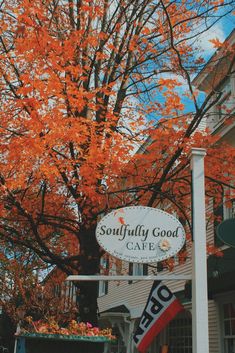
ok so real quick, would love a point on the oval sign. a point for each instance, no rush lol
(140, 234)
(226, 232)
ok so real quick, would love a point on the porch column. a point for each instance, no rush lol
(130, 345)
(199, 255)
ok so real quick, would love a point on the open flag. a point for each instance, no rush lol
(162, 306)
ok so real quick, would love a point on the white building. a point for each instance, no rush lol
(121, 304)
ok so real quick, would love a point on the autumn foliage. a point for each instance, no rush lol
(83, 86)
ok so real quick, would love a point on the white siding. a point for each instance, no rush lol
(213, 327)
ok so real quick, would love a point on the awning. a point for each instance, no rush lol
(117, 309)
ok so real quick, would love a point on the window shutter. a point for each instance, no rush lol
(130, 271)
(145, 269)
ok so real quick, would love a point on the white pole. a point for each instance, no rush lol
(199, 257)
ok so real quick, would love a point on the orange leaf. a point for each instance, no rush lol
(216, 43)
(121, 220)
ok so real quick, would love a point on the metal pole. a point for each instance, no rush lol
(199, 256)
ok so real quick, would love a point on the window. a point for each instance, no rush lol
(226, 104)
(179, 333)
(137, 269)
(229, 209)
(224, 210)
(229, 327)
(104, 266)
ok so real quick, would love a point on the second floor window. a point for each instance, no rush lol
(225, 209)
(229, 209)
(226, 104)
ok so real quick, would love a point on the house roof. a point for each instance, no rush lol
(215, 69)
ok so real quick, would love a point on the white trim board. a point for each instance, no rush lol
(127, 278)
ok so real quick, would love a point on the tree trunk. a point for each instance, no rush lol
(89, 265)
(87, 302)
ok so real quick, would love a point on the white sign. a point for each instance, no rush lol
(140, 234)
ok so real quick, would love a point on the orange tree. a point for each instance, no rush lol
(82, 84)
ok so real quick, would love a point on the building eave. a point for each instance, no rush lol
(213, 67)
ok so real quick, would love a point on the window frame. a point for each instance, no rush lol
(223, 213)
(226, 89)
(185, 319)
(222, 300)
(137, 269)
